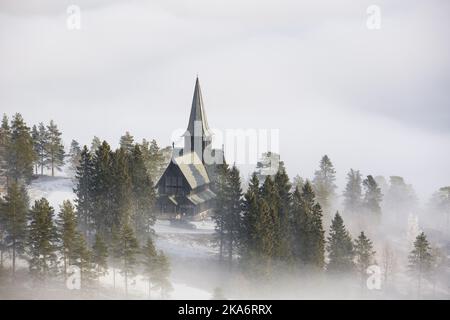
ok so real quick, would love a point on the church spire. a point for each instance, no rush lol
(198, 115)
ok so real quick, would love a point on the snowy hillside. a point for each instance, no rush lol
(183, 246)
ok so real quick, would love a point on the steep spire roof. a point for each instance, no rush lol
(198, 113)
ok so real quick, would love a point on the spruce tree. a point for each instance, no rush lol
(340, 247)
(372, 197)
(299, 227)
(20, 154)
(42, 240)
(84, 189)
(222, 205)
(14, 210)
(307, 240)
(100, 257)
(364, 255)
(160, 275)
(353, 192)
(265, 242)
(233, 217)
(127, 142)
(317, 238)
(420, 260)
(5, 140)
(248, 236)
(270, 215)
(150, 261)
(54, 149)
(283, 188)
(67, 233)
(120, 190)
(83, 260)
(324, 183)
(104, 208)
(142, 195)
(74, 155)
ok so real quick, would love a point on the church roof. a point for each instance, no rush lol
(201, 197)
(198, 113)
(193, 169)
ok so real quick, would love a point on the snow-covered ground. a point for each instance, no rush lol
(54, 189)
(183, 246)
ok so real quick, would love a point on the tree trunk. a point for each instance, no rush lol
(14, 259)
(149, 289)
(114, 277)
(230, 253)
(126, 284)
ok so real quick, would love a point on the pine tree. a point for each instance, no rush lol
(142, 195)
(340, 247)
(353, 192)
(364, 255)
(420, 260)
(127, 250)
(14, 211)
(100, 257)
(67, 233)
(84, 192)
(42, 240)
(54, 149)
(35, 138)
(74, 155)
(41, 142)
(324, 186)
(95, 144)
(127, 142)
(160, 276)
(20, 153)
(150, 261)
(372, 197)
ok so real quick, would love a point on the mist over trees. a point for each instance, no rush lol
(268, 229)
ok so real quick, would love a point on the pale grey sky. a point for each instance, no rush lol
(374, 100)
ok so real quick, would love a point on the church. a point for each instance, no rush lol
(184, 189)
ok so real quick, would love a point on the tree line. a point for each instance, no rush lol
(277, 224)
(114, 205)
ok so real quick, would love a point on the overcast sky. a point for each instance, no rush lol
(373, 100)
